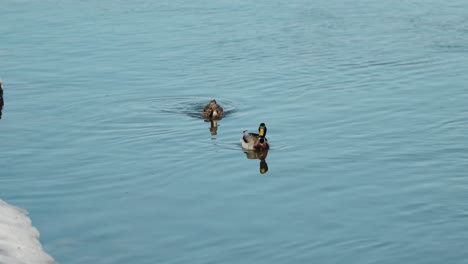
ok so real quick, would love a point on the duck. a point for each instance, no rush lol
(1, 97)
(253, 141)
(213, 111)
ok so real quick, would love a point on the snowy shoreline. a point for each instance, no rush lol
(19, 239)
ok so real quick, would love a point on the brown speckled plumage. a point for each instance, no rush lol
(213, 111)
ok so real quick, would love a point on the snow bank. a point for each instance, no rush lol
(19, 240)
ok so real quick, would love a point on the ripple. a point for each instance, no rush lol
(387, 63)
(192, 106)
(452, 48)
(287, 143)
(136, 118)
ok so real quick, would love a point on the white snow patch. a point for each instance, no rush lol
(19, 240)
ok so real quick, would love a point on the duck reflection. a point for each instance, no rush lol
(213, 127)
(1, 99)
(261, 155)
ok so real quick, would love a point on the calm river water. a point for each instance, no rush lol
(366, 105)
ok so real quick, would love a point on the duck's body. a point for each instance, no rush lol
(213, 111)
(253, 141)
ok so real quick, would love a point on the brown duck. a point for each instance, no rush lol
(213, 111)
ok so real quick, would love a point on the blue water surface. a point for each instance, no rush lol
(366, 104)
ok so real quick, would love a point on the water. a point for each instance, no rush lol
(365, 104)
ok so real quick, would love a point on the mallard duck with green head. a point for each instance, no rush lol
(213, 111)
(253, 141)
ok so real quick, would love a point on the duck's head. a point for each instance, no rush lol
(262, 130)
(213, 102)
